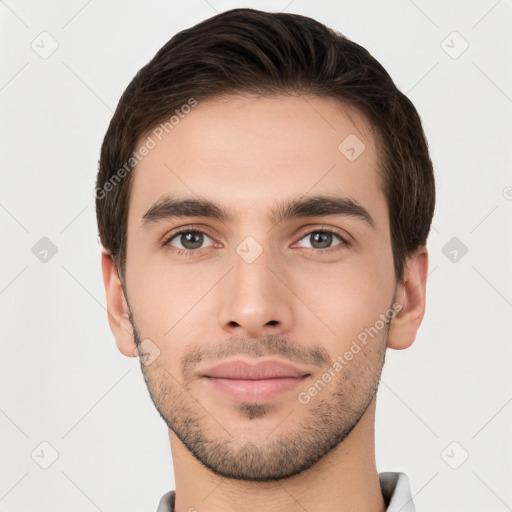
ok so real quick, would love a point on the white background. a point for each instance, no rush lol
(63, 380)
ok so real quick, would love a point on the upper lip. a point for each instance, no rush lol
(254, 371)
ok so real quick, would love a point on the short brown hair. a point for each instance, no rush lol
(256, 52)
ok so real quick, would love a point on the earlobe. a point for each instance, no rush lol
(411, 294)
(117, 307)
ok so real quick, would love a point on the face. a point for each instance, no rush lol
(258, 243)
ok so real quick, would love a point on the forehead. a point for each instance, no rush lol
(248, 152)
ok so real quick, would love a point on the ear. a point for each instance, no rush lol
(411, 294)
(117, 307)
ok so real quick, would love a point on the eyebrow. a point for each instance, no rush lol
(168, 207)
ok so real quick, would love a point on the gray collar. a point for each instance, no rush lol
(395, 490)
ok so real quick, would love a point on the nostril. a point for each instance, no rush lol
(272, 322)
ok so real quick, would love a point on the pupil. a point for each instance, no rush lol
(325, 240)
(192, 240)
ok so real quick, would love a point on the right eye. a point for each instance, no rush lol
(188, 240)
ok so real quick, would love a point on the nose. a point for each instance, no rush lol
(256, 300)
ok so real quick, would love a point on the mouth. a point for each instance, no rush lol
(254, 383)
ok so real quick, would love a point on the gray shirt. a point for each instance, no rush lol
(394, 486)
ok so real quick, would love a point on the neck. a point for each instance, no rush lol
(345, 479)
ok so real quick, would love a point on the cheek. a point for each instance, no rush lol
(345, 298)
(166, 299)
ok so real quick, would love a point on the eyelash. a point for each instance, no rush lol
(193, 252)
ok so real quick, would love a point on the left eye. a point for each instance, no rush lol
(321, 239)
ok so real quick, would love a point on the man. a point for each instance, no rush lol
(264, 198)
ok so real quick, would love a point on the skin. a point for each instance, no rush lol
(247, 154)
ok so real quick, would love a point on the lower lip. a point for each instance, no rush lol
(255, 391)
